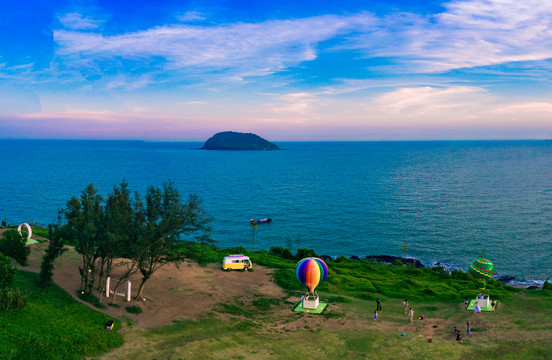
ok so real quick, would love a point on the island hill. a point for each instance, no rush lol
(230, 140)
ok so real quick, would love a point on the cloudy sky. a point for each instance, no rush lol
(286, 70)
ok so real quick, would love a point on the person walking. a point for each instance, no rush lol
(375, 315)
(411, 314)
(468, 328)
(378, 307)
(405, 303)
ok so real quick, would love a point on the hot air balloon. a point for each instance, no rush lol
(311, 272)
(481, 270)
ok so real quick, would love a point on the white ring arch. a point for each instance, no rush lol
(28, 229)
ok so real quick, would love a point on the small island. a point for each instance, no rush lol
(230, 140)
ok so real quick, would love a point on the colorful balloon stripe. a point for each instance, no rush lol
(311, 272)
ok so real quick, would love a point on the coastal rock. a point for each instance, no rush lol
(230, 140)
(326, 258)
(505, 279)
(389, 259)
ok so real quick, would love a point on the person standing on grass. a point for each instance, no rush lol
(375, 315)
(378, 307)
(468, 328)
(411, 314)
(477, 309)
(405, 303)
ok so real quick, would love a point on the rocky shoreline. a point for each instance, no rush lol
(389, 259)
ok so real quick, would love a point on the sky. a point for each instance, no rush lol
(177, 70)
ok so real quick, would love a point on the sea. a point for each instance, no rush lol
(448, 201)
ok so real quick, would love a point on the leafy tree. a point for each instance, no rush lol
(119, 229)
(7, 272)
(405, 249)
(254, 228)
(84, 228)
(167, 221)
(54, 250)
(134, 247)
(13, 245)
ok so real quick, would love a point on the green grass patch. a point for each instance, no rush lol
(53, 326)
(134, 309)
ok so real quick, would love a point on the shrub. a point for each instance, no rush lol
(397, 262)
(11, 299)
(459, 275)
(304, 253)
(13, 245)
(7, 272)
(547, 286)
(134, 309)
(282, 252)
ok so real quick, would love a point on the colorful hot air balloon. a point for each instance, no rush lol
(311, 272)
(481, 270)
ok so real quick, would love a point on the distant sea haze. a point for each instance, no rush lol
(450, 200)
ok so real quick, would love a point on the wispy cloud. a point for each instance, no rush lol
(191, 16)
(246, 49)
(77, 21)
(470, 33)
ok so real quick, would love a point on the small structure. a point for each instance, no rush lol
(127, 295)
(29, 230)
(484, 302)
(236, 262)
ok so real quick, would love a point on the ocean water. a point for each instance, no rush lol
(450, 200)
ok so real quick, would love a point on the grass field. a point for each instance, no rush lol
(52, 326)
(521, 329)
(252, 326)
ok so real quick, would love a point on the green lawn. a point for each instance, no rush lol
(53, 326)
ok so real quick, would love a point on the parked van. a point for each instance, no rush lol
(236, 262)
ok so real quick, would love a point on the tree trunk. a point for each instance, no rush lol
(141, 288)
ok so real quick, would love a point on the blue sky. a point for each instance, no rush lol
(286, 70)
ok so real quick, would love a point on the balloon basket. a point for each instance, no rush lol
(321, 306)
(484, 304)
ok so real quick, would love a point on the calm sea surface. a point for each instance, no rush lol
(449, 200)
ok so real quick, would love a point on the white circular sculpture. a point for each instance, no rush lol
(30, 232)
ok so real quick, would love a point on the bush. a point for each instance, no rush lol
(282, 252)
(305, 253)
(7, 272)
(134, 309)
(12, 299)
(397, 262)
(13, 245)
(547, 286)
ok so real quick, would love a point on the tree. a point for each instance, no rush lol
(119, 229)
(405, 249)
(55, 249)
(14, 245)
(84, 224)
(253, 230)
(167, 221)
(7, 272)
(135, 247)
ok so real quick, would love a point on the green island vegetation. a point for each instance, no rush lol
(42, 321)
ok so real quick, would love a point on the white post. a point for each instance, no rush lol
(128, 291)
(107, 283)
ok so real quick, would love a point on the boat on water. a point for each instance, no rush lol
(262, 221)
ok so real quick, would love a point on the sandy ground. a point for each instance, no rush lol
(172, 293)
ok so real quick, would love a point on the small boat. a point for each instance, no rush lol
(262, 221)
